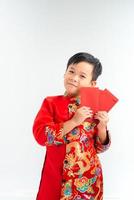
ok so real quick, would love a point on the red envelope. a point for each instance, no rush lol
(96, 99)
(90, 97)
(106, 100)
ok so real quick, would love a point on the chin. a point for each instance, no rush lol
(72, 93)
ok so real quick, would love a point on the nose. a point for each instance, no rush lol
(75, 78)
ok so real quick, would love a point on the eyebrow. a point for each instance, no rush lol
(74, 69)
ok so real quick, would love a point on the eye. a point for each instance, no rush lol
(71, 71)
(83, 76)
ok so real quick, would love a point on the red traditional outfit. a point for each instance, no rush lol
(71, 170)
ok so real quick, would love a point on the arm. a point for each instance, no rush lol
(102, 146)
(46, 131)
(102, 136)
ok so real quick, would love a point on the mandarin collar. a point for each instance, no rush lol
(73, 99)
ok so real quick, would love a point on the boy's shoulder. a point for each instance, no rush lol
(59, 101)
(54, 98)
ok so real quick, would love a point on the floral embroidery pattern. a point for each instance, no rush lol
(88, 125)
(74, 134)
(52, 138)
(81, 162)
(67, 191)
(83, 184)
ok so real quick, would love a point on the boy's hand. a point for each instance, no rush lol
(81, 114)
(103, 118)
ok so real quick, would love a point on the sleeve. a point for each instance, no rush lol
(46, 132)
(100, 148)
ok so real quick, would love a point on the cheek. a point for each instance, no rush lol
(65, 81)
(66, 78)
(84, 83)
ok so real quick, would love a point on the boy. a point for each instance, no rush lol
(72, 170)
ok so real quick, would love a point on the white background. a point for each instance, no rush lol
(36, 40)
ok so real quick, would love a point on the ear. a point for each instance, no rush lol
(93, 83)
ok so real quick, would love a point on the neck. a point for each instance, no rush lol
(71, 95)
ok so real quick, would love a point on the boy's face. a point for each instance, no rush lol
(77, 76)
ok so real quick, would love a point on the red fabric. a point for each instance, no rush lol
(66, 173)
(52, 113)
(51, 177)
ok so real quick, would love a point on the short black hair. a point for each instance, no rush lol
(86, 57)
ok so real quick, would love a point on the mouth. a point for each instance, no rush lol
(72, 84)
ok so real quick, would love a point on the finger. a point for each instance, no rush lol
(102, 119)
(89, 115)
(87, 109)
(102, 114)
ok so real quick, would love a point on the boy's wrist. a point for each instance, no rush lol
(73, 122)
(102, 133)
(102, 127)
(68, 126)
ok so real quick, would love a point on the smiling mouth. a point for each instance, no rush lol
(72, 84)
